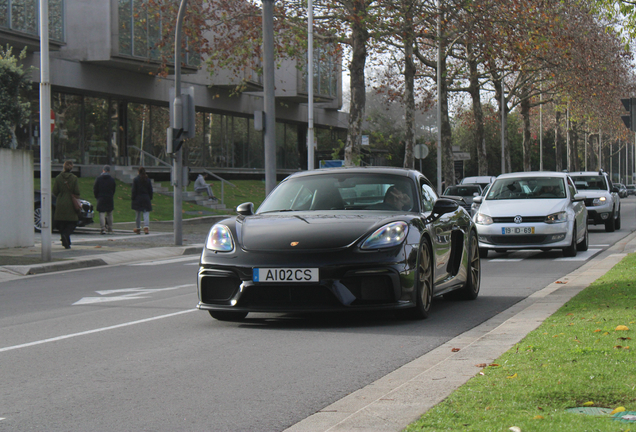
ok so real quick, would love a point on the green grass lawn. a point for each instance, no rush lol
(582, 356)
(163, 205)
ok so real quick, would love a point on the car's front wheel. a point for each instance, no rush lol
(582, 247)
(610, 225)
(570, 251)
(617, 222)
(228, 315)
(37, 219)
(424, 281)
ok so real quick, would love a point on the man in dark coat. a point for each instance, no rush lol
(104, 191)
(66, 217)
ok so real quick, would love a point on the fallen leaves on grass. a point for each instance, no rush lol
(621, 328)
(617, 410)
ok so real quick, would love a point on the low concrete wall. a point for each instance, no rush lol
(16, 198)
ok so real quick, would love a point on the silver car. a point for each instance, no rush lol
(532, 210)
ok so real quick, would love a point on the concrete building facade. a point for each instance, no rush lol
(111, 107)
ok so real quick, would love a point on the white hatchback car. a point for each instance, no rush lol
(532, 210)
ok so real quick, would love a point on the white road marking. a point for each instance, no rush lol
(167, 261)
(600, 245)
(506, 259)
(581, 256)
(98, 330)
(133, 294)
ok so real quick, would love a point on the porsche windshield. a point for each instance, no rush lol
(342, 191)
(527, 188)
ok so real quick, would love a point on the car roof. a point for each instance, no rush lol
(358, 170)
(534, 174)
(477, 179)
(588, 173)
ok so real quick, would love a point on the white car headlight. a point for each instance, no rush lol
(556, 218)
(599, 201)
(387, 236)
(483, 219)
(220, 239)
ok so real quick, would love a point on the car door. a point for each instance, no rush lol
(580, 211)
(440, 232)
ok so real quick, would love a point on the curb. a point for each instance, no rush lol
(112, 258)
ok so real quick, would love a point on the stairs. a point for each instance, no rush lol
(126, 174)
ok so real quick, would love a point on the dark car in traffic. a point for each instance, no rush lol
(85, 217)
(341, 239)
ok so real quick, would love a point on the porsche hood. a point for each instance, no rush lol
(303, 231)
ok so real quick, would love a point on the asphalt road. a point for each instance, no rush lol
(121, 348)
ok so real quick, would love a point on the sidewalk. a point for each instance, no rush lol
(90, 249)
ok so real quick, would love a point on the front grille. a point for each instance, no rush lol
(518, 239)
(218, 289)
(525, 219)
(370, 289)
(281, 295)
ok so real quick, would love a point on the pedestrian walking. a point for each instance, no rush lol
(141, 197)
(104, 191)
(201, 185)
(66, 216)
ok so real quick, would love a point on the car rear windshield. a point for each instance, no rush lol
(463, 190)
(527, 188)
(594, 182)
(340, 191)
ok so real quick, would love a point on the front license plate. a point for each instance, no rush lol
(517, 230)
(285, 275)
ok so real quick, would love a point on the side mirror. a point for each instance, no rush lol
(475, 193)
(445, 205)
(578, 197)
(478, 199)
(245, 209)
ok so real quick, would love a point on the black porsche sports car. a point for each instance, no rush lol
(85, 216)
(341, 239)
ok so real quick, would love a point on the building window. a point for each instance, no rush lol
(325, 74)
(24, 16)
(140, 33)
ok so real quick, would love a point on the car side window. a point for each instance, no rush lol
(428, 197)
(571, 187)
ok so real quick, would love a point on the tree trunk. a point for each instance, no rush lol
(448, 166)
(409, 91)
(503, 111)
(359, 38)
(473, 90)
(557, 147)
(574, 147)
(525, 115)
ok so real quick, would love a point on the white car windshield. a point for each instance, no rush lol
(527, 188)
(593, 182)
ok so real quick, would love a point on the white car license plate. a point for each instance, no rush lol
(517, 230)
(285, 275)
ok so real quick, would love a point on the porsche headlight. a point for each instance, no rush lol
(483, 219)
(220, 239)
(387, 236)
(599, 201)
(556, 218)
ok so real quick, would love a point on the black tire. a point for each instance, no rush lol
(37, 219)
(617, 222)
(483, 253)
(610, 225)
(470, 290)
(571, 250)
(424, 282)
(582, 247)
(228, 315)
